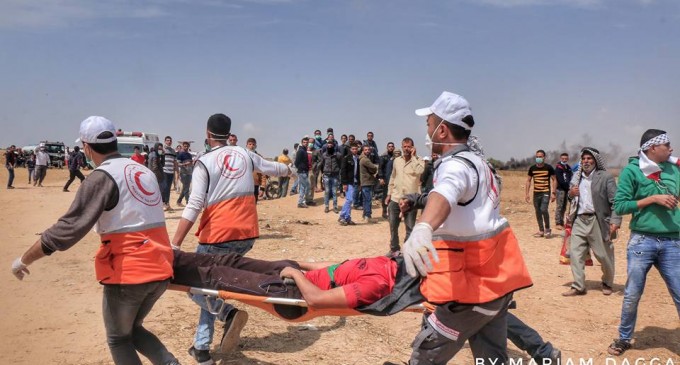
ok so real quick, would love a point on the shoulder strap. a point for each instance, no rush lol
(465, 161)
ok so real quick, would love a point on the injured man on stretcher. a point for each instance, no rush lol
(376, 285)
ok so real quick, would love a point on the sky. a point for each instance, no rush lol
(537, 73)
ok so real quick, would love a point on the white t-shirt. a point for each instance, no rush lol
(456, 181)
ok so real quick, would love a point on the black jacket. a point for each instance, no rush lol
(301, 160)
(347, 170)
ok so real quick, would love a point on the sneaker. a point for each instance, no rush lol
(302, 206)
(368, 220)
(311, 204)
(10, 187)
(343, 222)
(548, 234)
(65, 190)
(202, 357)
(336, 210)
(236, 320)
(556, 356)
(606, 289)
(351, 223)
(573, 292)
(326, 210)
(179, 204)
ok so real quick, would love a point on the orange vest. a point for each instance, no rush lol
(135, 244)
(476, 272)
(230, 212)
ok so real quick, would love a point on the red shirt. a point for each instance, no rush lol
(138, 158)
(363, 280)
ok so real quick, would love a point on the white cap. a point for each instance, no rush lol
(450, 107)
(92, 127)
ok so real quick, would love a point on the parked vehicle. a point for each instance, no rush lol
(128, 140)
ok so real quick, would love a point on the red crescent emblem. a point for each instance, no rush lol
(139, 184)
(226, 164)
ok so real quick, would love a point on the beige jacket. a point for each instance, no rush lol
(405, 178)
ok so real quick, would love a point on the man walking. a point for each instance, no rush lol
(121, 200)
(542, 174)
(75, 162)
(302, 166)
(169, 169)
(405, 179)
(563, 175)
(593, 220)
(649, 187)
(367, 173)
(42, 161)
(222, 189)
(185, 163)
(10, 164)
(481, 263)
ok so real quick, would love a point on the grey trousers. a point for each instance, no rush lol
(444, 332)
(409, 222)
(585, 235)
(561, 203)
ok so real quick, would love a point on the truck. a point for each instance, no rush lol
(128, 140)
(56, 151)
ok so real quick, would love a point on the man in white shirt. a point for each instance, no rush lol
(42, 161)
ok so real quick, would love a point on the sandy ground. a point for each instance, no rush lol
(54, 316)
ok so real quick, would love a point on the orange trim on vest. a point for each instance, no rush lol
(134, 257)
(476, 272)
(229, 220)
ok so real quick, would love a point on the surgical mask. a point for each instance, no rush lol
(429, 143)
(539, 159)
(207, 147)
(160, 151)
(318, 137)
(563, 163)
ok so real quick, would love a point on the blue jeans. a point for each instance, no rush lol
(186, 185)
(367, 193)
(124, 308)
(165, 189)
(10, 179)
(357, 198)
(206, 321)
(294, 188)
(303, 186)
(346, 212)
(330, 184)
(644, 252)
(541, 202)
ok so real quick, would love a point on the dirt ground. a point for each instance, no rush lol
(53, 316)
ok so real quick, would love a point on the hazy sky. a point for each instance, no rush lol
(536, 72)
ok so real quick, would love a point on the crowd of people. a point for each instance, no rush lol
(459, 254)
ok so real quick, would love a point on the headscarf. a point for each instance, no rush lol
(648, 167)
(600, 164)
(476, 147)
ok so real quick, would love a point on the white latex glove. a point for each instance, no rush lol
(417, 249)
(19, 269)
(175, 247)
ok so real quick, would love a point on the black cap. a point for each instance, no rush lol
(219, 125)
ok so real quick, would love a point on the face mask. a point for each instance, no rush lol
(563, 163)
(429, 143)
(160, 151)
(318, 137)
(539, 160)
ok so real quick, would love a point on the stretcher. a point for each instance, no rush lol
(287, 309)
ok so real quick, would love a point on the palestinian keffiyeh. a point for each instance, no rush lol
(648, 167)
(600, 164)
(476, 147)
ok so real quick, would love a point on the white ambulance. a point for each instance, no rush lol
(128, 140)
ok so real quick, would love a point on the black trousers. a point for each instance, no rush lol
(72, 176)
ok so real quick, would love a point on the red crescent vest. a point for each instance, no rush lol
(135, 245)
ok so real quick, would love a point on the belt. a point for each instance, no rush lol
(587, 214)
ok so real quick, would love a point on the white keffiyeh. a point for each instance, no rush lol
(648, 167)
